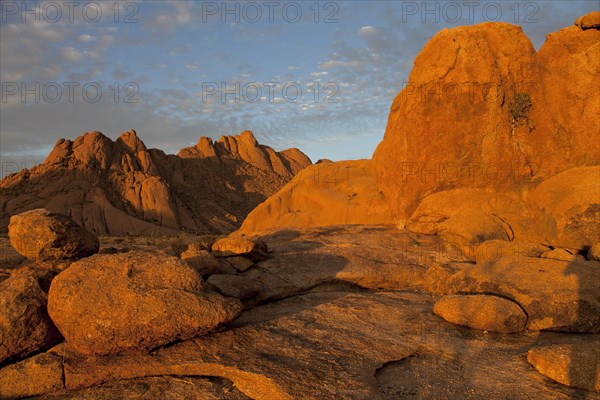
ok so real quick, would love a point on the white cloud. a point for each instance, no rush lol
(336, 64)
(71, 54)
(367, 31)
(86, 38)
(178, 13)
(106, 40)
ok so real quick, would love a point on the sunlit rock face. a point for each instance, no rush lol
(483, 109)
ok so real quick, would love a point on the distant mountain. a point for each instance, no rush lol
(121, 187)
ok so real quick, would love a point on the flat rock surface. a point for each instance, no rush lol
(366, 256)
(335, 345)
(325, 329)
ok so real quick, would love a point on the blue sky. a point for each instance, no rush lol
(176, 56)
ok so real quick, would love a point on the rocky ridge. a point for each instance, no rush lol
(121, 187)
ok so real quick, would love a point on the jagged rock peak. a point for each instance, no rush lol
(132, 141)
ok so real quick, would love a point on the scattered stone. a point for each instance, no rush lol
(256, 250)
(240, 263)
(574, 362)
(34, 376)
(175, 249)
(108, 250)
(594, 253)
(201, 244)
(47, 237)
(224, 267)
(201, 260)
(235, 286)
(488, 313)
(110, 303)
(25, 326)
(560, 254)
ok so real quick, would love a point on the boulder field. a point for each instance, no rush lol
(346, 311)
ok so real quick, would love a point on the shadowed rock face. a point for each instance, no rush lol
(122, 187)
(454, 124)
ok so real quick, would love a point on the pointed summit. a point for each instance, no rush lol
(132, 141)
(248, 137)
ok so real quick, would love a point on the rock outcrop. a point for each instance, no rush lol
(120, 187)
(244, 146)
(110, 303)
(482, 110)
(332, 193)
(567, 124)
(344, 310)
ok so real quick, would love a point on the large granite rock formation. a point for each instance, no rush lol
(119, 187)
